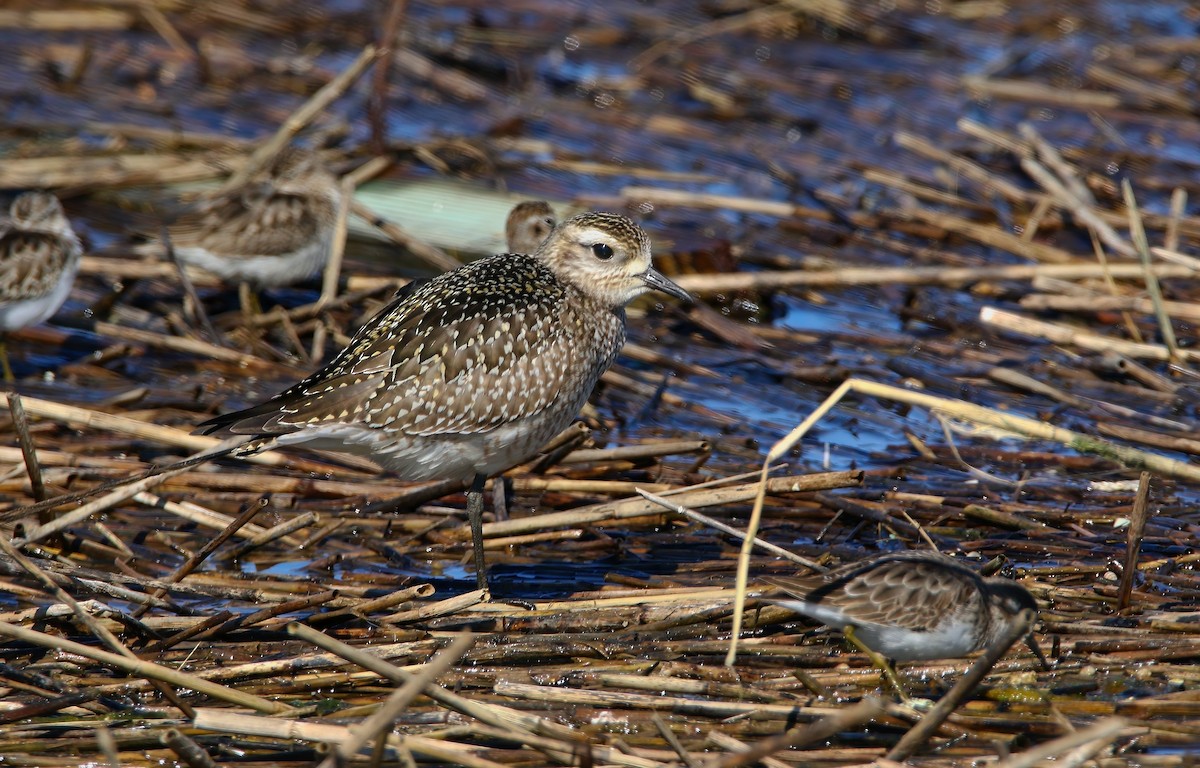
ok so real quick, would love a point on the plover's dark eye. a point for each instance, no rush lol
(602, 251)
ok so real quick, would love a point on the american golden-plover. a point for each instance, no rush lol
(39, 256)
(470, 373)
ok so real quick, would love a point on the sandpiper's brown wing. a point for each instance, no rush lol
(256, 220)
(472, 349)
(281, 210)
(913, 591)
(31, 263)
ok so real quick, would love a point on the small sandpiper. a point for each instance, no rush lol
(470, 373)
(911, 606)
(274, 230)
(39, 256)
(529, 224)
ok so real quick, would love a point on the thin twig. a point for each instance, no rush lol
(1138, 235)
(193, 562)
(851, 717)
(389, 39)
(1133, 540)
(399, 700)
(28, 451)
(199, 313)
(300, 118)
(717, 524)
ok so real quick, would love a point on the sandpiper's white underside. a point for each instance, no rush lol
(264, 271)
(955, 637)
(18, 314)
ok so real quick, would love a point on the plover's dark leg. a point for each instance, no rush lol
(475, 515)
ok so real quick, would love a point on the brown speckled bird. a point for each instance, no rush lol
(274, 230)
(472, 372)
(39, 256)
(915, 605)
(528, 225)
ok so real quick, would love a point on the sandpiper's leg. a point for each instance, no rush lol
(8, 374)
(877, 660)
(248, 297)
(475, 515)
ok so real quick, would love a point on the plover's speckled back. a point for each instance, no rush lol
(274, 230)
(472, 372)
(39, 256)
(916, 605)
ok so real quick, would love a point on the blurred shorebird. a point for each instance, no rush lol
(39, 257)
(275, 230)
(528, 225)
(470, 373)
(911, 606)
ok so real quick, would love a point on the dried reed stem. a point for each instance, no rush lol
(399, 700)
(1133, 540)
(300, 118)
(146, 669)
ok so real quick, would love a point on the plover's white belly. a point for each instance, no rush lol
(418, 458)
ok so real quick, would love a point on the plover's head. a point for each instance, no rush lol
(607, 257)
